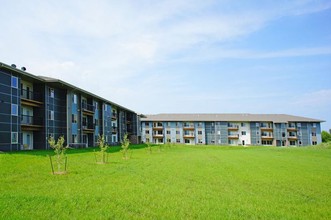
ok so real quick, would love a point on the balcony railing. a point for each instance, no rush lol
(233, 127)
(188, 127)
(233, 136)
(113, 116)
(87, 107)
(30, 95)
(114, 130)
(31, 120)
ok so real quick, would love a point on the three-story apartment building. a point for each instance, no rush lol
(33, 108)
(231, 129)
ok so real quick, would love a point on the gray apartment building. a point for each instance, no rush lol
(231, 129)
(33, 108)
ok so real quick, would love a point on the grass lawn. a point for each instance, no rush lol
(181, 182)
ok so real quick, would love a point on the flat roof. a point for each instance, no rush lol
(276, 118)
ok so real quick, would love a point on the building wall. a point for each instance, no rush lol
(10, 138)
(234, 133)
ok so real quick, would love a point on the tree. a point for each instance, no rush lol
(125, 143)
(326, 137)
(60, 155)
(103, 148)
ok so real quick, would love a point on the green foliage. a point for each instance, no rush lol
(326, 136)
(186, 182)
(125, 143)
(149, 147)
(103, 148)
(60, 152)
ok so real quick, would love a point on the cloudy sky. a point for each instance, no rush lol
(180, 56)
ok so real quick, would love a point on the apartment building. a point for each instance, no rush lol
(33, 108)
(231, 129)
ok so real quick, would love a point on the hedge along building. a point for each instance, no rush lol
(231, 129)
(33, 108)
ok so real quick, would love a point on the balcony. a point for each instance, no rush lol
(233, 136)
(291, 128)
(29, 98)
(113, 116)
(87, 109)
(189, 127)
(88, 128)
(114, 130)
(158, 127)
(158, 136)
(267, 137)
(267, 128)
(188, 135)
(292, 137)
(31, 123)
(233, 127)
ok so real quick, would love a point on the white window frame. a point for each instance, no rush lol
(51, 92)
(51, 115)
(75, 99)
(15, 112)
(11, 138)
(14, 79)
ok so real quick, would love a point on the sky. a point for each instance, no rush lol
(180, 56)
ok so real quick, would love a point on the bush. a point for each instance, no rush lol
(326, 136)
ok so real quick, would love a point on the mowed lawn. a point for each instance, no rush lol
(181, 182)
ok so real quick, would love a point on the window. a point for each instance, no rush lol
(187, 141)
(74, 118)
(257, 124)
(168, 140)
(51, 92)
(283, 134)
(146, 124)
(14, 109)
(313, 134)
(243, 133)
(266, 142)
(314, 125)
(14, 82)
(298, 125)
(314, 142)
(14, 137)
(177, 140)
(75, 99)
(168, 124)
(168, 132)
(257, 133)
(177, 132)
(292, 143)
(300, 143)
(74, 138)
(200, 132)
(51, 115)
(219, 132)
(243, 125)
(199, 124)
(200, 141)
(147, 140)
(147, 131)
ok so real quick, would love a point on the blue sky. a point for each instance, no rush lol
(180, 56)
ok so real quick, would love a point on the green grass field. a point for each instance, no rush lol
(180, 182)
